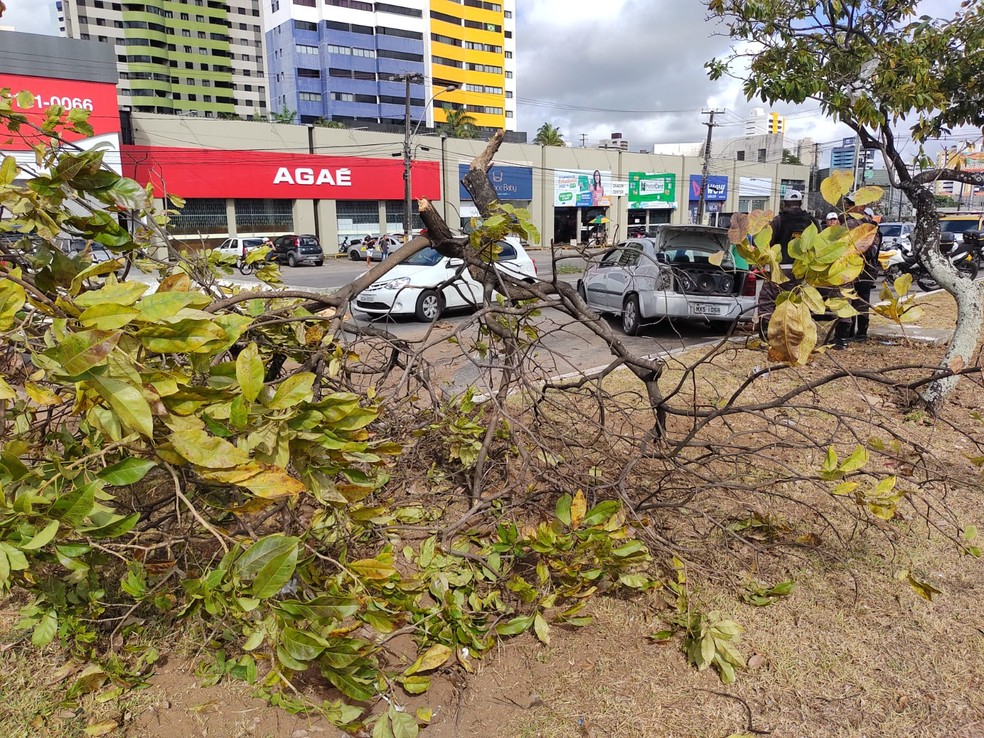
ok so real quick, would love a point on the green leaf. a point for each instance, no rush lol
(128, 403)
(12, 299)
(249, 372)
(43, 537)
(415, 684)
(292, 391)
(45, 630)
(270, 563)
(8, 170)
(118, 525)
(207, 451)
(126, 472)
(302, 645)
(515, 626)
(108, 316)
(856, 460)
(162, 305)
(564, 509)
(541, 629)
(73, 507)
(404, 726)
(350, 686)
(122, 293)
(601, 512)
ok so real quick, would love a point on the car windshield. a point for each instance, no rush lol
(890, 230)
(427, 257)
(958, 226)
(252, 243)
(309, 241)
(696, 248)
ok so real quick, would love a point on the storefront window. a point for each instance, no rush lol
(394, 217)
(200, 216)
(748, 204)
(264, 216)
(357, 217)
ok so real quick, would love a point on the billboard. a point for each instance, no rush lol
(717, 188)
(510, 183)
(582, 188)
(97, 97)
(651, 191)
(204, 173)
(754, 187)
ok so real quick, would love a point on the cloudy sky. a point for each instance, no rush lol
(594, 67)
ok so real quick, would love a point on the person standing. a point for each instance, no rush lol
(865, 282)
(788, 225)
(832, 219)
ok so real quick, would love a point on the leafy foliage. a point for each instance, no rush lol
(548, 135)
(459, 123)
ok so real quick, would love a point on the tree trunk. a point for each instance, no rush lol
(968, 295)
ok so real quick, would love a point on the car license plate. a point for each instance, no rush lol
(703, 308)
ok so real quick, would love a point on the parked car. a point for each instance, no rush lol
(415, 286)
(295, 250)
(360, 249)
(896, 235)
(238, 247)
(670, 276)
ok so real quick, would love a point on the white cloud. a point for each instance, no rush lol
(31, 16)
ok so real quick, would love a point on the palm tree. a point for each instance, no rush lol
(458, 123)
(547, 135)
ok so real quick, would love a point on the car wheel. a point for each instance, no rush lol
(969, 268)
(631, 323)
(581, 292)
(291, 259)
(354, 255)
(429, 306)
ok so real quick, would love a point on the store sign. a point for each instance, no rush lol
(717, 188)
(754, 187)
(203, 173)
(651, 191)
(98, 98)
(510, 183)
(582, 188)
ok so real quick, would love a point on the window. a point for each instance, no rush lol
(740, 156)
(483, 68)
(445, 40)
(448, 62)
(186, 33)
(762, 154)
(509, 114)
(354, 4)
(485, 47)
(309, 96)
(300, 26)
(509, 54)
(402, 55)
(310, 50)
(185, 16)
(383, 31)
(309, 73)
(509, 75)
(398, 10)
(357, 217)
(306, 3)
(257, 216)
(395, 100)
(446, 18)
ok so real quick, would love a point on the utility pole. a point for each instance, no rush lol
(814, 174)
(584, 138)
(707, 163)
(407, 154)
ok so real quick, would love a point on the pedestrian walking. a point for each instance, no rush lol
(788, 225)
(865, 283)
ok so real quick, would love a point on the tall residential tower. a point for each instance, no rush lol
(345, 60)
(185, 57)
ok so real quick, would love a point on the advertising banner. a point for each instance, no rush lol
(717, 188)
(99, 98)
(582, 188)
(202, 173)
(651, 191)
(510, 183)
(754, 187)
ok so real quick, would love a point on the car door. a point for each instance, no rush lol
(462, 290)
(621, 277)
(596, 283)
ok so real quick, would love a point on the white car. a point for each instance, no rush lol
(239, 246)
(427, 283)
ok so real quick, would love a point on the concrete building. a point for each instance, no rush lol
(183, 57)
(760, 123)
(615, 141)
(258, 178)
(337, 60)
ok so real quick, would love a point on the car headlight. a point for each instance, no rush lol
(396, 284)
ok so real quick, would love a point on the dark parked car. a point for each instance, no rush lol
(295, 250)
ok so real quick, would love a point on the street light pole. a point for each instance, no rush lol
(408, 135)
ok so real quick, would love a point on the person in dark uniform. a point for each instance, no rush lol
(858, 327)
(789, 224)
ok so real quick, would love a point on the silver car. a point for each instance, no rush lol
(671, 275)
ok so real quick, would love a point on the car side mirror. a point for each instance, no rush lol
(455, 263)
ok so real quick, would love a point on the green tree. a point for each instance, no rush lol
(872, 64)
(330, 124)
(284, 116)
(548, 135)
(788, 157)
(945, 201)
(459, 123)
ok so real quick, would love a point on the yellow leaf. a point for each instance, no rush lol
(792, 333)
(180, 282)
(431, 659)
(838, 184)
(579, 507)
(41, 395)
(96, 729)
(866, 195)
(6, 391)
(759, 219)
(863, 236)
(716, 258)
(903, 284)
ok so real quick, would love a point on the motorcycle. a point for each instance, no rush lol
(244, 268)
(343, 245)
(898, 261)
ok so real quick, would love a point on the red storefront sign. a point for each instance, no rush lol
(97, 97)
(208, 173)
